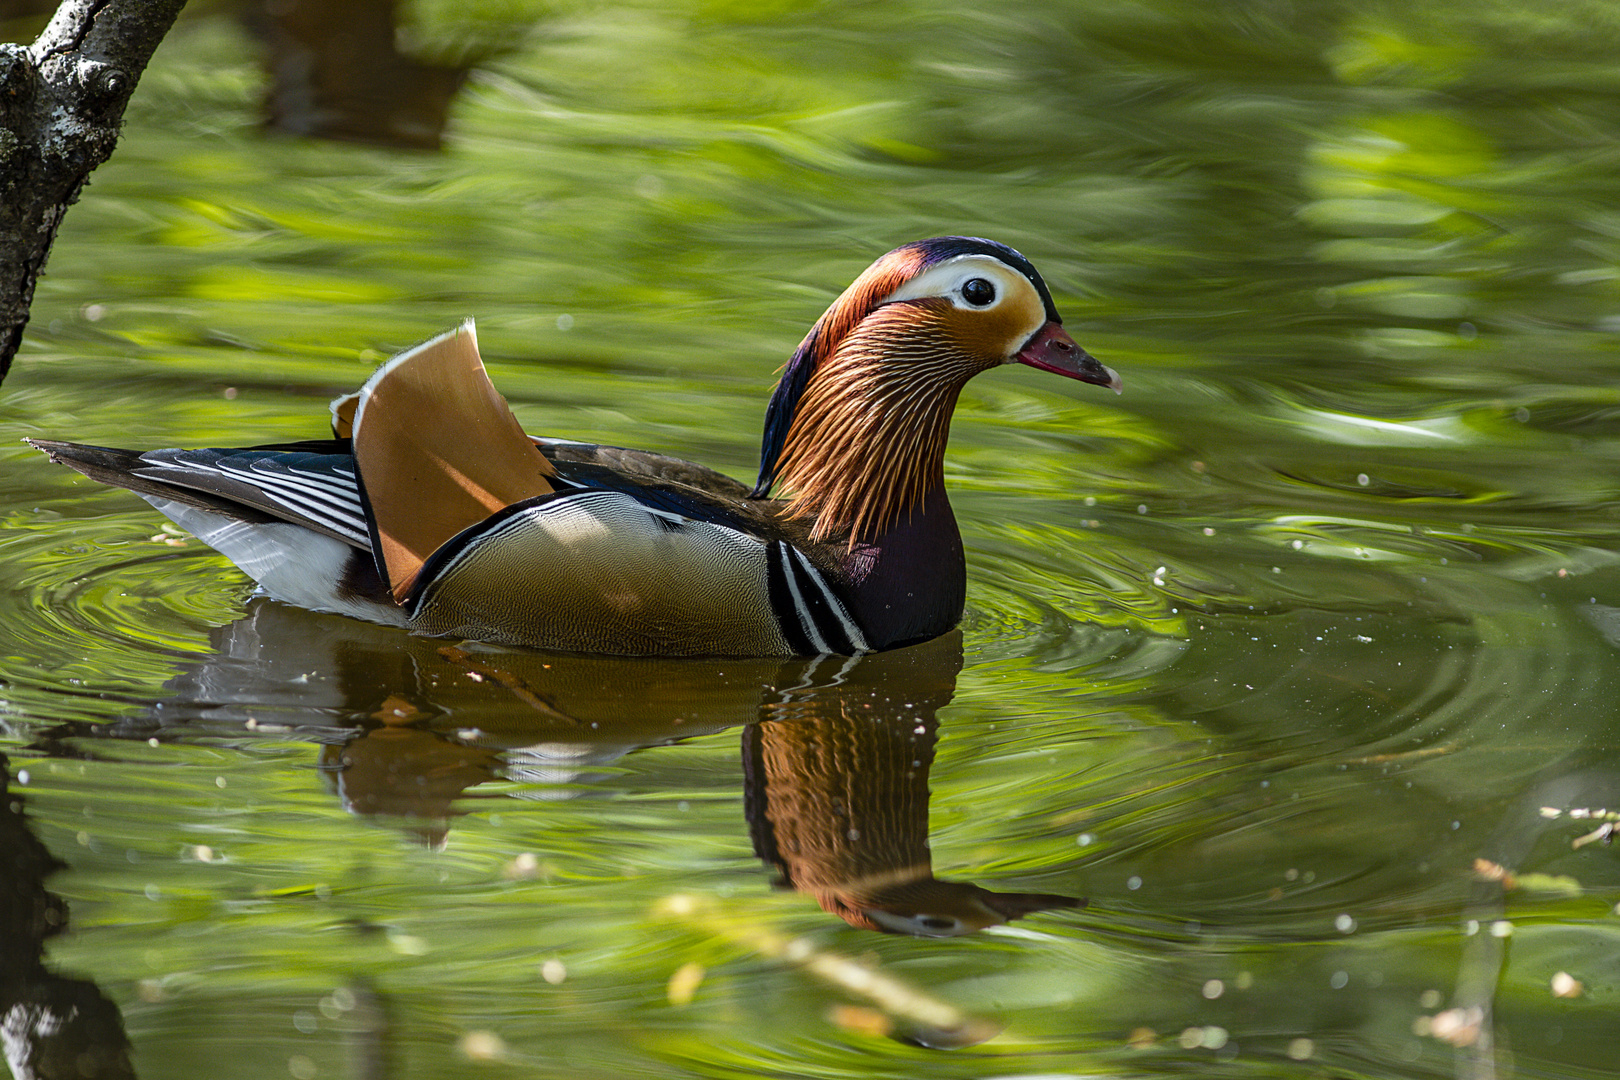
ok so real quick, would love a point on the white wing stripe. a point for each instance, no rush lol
(334, 504)
(345, 500)
(299, 494)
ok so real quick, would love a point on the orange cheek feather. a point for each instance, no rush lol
(996, 334)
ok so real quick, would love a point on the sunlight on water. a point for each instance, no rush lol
(1277, 738)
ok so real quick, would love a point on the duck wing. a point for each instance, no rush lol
(438, 450)
(583, 460)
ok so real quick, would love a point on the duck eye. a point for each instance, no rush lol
(978, 292)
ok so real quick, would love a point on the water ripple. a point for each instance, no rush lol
(108, 612)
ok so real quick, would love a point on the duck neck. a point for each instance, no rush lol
(866, 449)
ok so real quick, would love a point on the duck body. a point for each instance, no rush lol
(432, 510)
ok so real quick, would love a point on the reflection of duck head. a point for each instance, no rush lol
(934, 907)
(837, 797)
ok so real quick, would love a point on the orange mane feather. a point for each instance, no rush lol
(868, 437)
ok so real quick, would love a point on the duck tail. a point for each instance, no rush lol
(120, 468)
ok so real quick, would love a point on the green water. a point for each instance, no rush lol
(1260, 657)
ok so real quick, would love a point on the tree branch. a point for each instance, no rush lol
(62, 101)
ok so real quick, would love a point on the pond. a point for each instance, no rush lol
(1279, 736)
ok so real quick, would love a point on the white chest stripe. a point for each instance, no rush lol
(809, 612)
(852, 633)
(807, 621)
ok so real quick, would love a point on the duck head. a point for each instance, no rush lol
(856, 429)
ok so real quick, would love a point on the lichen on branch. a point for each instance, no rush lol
(62, 102)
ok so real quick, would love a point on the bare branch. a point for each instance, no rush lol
(61, 104)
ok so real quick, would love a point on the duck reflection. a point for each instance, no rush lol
(836, 792)
(836, 751)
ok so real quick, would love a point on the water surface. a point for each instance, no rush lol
(1296, 662)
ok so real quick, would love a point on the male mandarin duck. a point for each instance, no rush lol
(432, 510)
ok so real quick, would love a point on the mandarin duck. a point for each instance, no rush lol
(432, 510)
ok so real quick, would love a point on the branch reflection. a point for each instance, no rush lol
(53, 1026)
